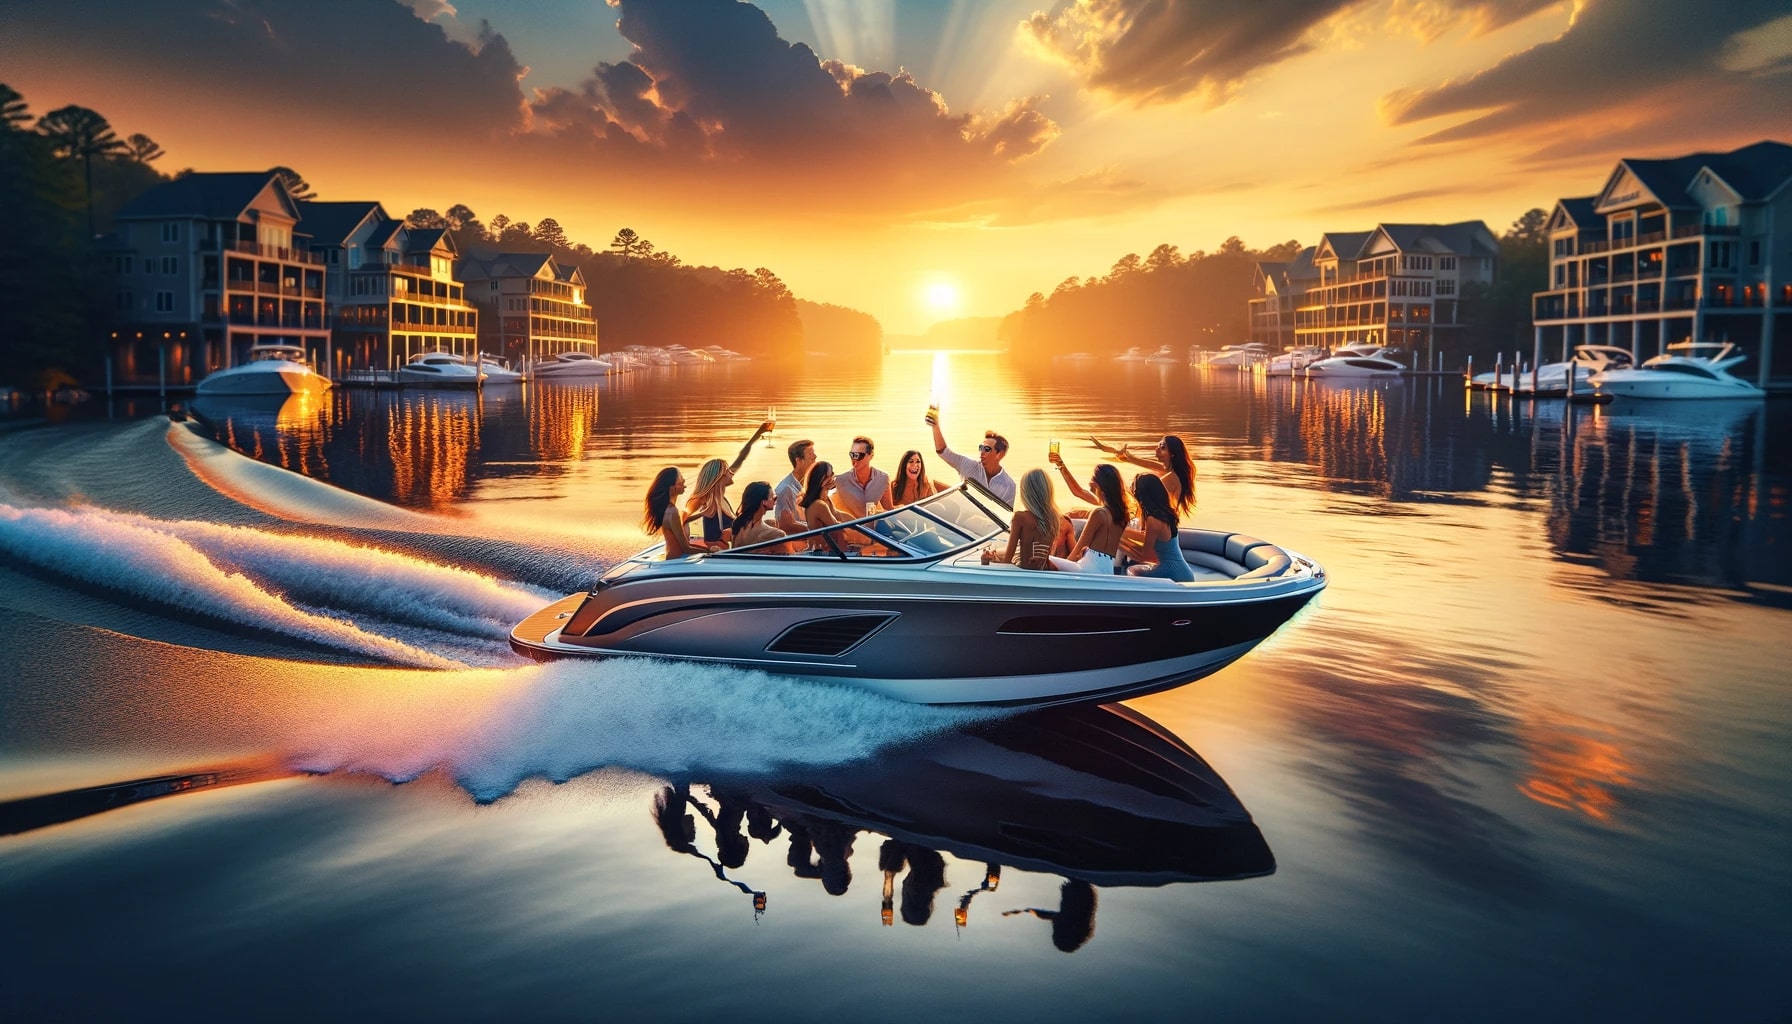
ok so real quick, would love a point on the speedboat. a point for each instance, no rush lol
(1293, 359)
(1552, 378)
(688, 357)
(899, 603)
(1248, 354)
(1131, 355)
(1354, 364)
(1164, 355)
(441, 370)
(270, 370)
(1688, 369)
(572, 366)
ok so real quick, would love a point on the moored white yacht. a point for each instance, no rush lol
(572, 366)
(1293, 359)
(1131, 355)
(1352, 362)
(441, 370)
(270, 370)
(1688, 369)
(1249, 353)
(1164, 355)
(1552, 378)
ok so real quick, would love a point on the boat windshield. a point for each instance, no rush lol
(290, 353)
(929, 529)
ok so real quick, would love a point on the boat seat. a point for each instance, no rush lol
(1213, 563)
(1265, 560)
(1239, 544)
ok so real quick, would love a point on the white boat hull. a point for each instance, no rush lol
(264, 378)
(1659, 385)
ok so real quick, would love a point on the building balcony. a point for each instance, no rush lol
(272, 252)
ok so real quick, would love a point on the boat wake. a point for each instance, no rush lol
(394, 608)
(562, 720)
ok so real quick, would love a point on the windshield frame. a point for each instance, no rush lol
(985, 503)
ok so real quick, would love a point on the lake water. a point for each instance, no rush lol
(1528, 756)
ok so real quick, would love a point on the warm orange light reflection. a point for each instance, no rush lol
(1574, 771)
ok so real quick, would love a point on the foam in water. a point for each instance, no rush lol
(137, 556)
(564, 719)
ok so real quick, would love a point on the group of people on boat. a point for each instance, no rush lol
(1131, 529)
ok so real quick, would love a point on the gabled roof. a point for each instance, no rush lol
(1755, 172)
(422, 240)
(1465, 238)
(1301, 267)
(207, 196)
(504, 264)
(383, 233)
(1579, 212)
(332, 223)
(1666, 180)
(1344, 244)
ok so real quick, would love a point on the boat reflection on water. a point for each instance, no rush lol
(1101, 796)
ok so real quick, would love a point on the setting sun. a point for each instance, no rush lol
(941, 297)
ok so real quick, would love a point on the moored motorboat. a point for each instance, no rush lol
(572, 366)
(441, 370)
(1552, 378)
(1687, 370)
(1353, 365)
(1164, 355)
(1293, 359)
(498, 370)
(899, 603)
(1131, 355)
(1249, 353)
(270, 370)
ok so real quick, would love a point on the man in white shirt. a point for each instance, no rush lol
(855, 490)
(986, 469)
(790, 489)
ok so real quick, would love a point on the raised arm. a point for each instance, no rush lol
(939, 439)
(1125, 455)
(1070, 481)
(747, 448)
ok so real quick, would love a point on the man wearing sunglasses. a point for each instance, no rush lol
(865, 484)
(986, 469)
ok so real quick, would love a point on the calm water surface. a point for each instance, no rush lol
(1530, 755)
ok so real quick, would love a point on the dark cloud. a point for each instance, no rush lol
(366, 62)
(1151, 51)
(1619, 65)
(714, 77)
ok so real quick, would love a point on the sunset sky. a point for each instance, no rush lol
(926, 159)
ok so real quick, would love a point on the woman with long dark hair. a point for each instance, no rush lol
(661, 514)
(1099, 543)
(911, 483)
(1170, 461)
(754, 525)
(1158, 552)
(817, 510)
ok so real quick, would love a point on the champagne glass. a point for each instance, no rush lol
(771, 417)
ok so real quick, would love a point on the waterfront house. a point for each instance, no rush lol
(205, 267)
(1671, 250)
(392, 292)
(1398, 285)
(531, 307)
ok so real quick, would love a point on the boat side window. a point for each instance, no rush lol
(1688, 369)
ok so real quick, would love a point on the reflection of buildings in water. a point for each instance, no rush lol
(431, 438)
(1395, 439)
(1097, 795)
(1667, 492)
(284, 430)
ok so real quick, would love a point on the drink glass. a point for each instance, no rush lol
(1055, 446)
(933, 412)
(771, 417)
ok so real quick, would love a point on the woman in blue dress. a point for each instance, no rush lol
(1158, 552)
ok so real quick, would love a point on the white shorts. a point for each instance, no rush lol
(1092, 562)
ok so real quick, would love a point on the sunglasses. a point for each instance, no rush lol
(986, 448)
(856, 456)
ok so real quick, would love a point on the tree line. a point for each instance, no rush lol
(1164, 298)
(642, 294)
(62, 177)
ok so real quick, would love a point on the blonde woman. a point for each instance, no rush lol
(1038, 530)
(709, 500)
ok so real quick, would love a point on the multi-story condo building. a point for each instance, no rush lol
(1278, 287)
(392, 292)
(531, 308)
(1398, 286)
(207, 266)
(1672, 250)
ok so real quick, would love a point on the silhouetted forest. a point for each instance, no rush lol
(1163, 299)
(837, 330)
(62, 177)
(644, 295)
